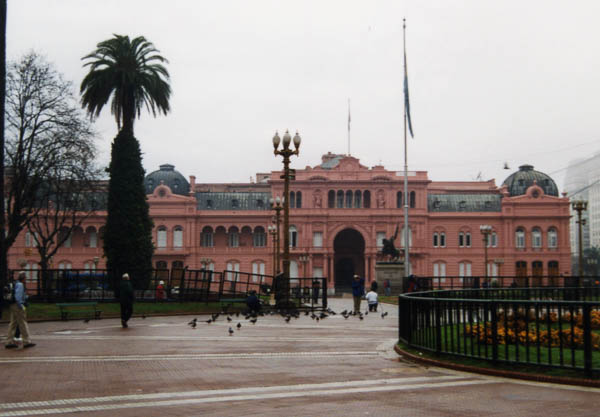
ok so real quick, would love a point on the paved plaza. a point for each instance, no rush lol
(160, 366)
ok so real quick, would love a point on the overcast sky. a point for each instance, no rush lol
(490, 81)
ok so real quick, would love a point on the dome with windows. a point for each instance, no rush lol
(168, 176)
(525, 177)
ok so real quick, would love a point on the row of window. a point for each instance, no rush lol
(362, 199)
(536, 238)
(464, 269)
(91, 239)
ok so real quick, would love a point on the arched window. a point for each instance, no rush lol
(399, 202)
(161, 237)
(536, 237)
(436, 238)
(403, 237)
(206, 237)
(292, 199)
(439, 270)
(331, 199)
(258, 268)
(89, 266)
(293, 237)
(442, 240)
(92, 237)
(233, 267)
(521, 268)
(66, 265)
(349, 199)
(65, 234)
(367, 199)
(178, 237)
(520, 238)
(259, 238)
(461, 239)
(464, 269)
(234, 237)
(357, 199)
(552, 238)
(298, 199)
(340, 199)
(493, 242)
(413, 199)
(468, 239)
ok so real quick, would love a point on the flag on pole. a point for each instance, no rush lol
(349, 115)
(406, 100)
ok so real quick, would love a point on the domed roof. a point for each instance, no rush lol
(525, 177)
(168, 176)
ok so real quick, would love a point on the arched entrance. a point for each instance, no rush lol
(349, 258)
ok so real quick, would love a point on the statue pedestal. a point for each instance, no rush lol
(394, 271)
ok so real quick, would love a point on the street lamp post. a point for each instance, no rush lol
(277, 205)
(273, 233)
(486, 231)
(579, 206)
(286, 152)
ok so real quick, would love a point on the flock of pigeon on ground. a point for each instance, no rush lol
(252, 317)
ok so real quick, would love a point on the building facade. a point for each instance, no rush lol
(340, 212)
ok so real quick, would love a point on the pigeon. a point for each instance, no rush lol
(239, 325)
(209, 321)
(86, 320)
(192, 322)
(287, 319)
(230, 331)
(367, 313)
(193, 325)
(228, 319)
(317, 319)
(306, 313)
(384, 314)
(253, 321)
(143, 317)
(344, 312)
(360, 317)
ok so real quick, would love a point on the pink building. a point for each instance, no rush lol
(340, 212)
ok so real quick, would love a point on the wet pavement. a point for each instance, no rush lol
(333, 367)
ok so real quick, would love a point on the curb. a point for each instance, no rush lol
(585, 382)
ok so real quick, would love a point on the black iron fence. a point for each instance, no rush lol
(59, 285)
(550, 327)
(421, 283)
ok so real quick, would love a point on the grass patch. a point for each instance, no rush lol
(481, 363)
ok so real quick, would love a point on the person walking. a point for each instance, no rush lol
(358, 290)
(387, 288)
(18, 316)
(160, 291)
(126, 297)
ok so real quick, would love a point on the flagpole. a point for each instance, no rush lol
(406, 230)
(348, 127)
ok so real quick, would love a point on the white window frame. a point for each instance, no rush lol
(178, 237)
(317, 272)
(468, 239)
(161, 237)
(379, 236)
(293, 237)
(232, 268)
(439, 271)
(442, 239)
(461, 239)
(318, 239)
(436, 239)
(258, 268)
(536, 238)
(552, 238)
(493, 242)
(259, 239)
(464, 270)
(520, 239)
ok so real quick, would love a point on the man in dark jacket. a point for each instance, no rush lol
(126, 300)
(358, 290)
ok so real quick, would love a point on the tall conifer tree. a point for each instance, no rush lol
(130, 74)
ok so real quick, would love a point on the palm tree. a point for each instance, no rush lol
(130, 71)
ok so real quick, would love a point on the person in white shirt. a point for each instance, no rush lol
(371, 298)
